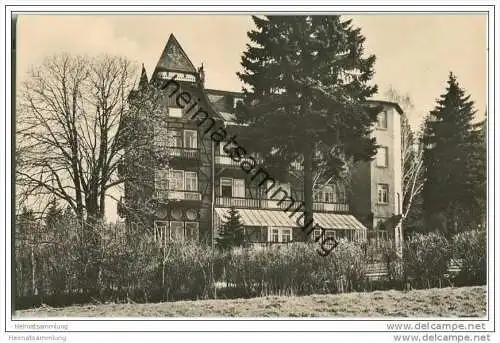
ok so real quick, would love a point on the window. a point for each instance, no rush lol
(382, 120)
(238, 188)
(286, 235)
(323, 234)
(382, 153)
(161, 231)
(176, 138)
(318, 195)
(275, 235)
(226, 187)
(383, 193)
(232, 188)
(192, 231)
(190, 139)
(176, 231)
(330, 196)
(316, 235)
(191, 181)
(341, 194)
(280, 235)
(177, 180)
(327, 195)
(175, 112)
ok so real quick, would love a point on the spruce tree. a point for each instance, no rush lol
(25, 221)
(308, 79)
(231, 232)
(454, 182)
(53, 216)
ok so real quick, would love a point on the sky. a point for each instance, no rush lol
(415, 52)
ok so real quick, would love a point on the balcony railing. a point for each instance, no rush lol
(275, 204)
(184, 153)
(178, 195)
(225, 160)
(237, 202)
(330, 207)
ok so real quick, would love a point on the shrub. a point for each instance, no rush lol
(394, 264)
(296, 268)
(426, 259)
(187, 271)
(469, 252)
(350, 264)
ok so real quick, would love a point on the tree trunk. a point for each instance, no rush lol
(308, 192)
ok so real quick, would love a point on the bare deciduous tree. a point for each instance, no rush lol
(411, 151)
(75, 123)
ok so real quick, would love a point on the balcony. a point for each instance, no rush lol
(182, 153)
(237, 202)
(226, 161)
(178, 195)
(330, 207)
(275, 204)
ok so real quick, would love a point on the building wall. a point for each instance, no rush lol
(392, 174)
(384, 175)
(360, 201)
(367, 175)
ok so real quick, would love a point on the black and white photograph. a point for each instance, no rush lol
(294, 170)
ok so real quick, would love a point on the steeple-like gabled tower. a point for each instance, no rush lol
(174, 60)
(143, 81)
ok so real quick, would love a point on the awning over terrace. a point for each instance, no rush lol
(270, 218)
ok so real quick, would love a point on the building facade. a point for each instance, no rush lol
(188, 194)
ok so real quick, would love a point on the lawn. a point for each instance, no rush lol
(437, 302)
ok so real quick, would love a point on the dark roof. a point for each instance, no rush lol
(174, 58)
(388, 103)
(221, 100)
(221, 92)
(143, 81)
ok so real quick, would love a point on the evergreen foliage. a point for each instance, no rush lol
(231, 232)
(308, 81)
(54, 215)
(455, 164)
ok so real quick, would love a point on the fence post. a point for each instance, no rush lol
(33, 274)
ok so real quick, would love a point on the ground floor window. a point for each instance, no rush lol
(280, 235)
(317, 234)
(175, 231)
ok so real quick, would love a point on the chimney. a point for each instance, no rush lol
(201, 72)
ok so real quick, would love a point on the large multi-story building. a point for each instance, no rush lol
(193, 191)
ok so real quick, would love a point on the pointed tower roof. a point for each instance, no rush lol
(143, 81)
(174, 58)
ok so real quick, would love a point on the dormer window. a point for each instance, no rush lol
(164, 75)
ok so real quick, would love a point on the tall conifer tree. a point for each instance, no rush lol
(308, 80)
(454, 189)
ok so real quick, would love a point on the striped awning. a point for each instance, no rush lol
(276, 218)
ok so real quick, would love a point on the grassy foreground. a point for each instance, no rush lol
(443, 302)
